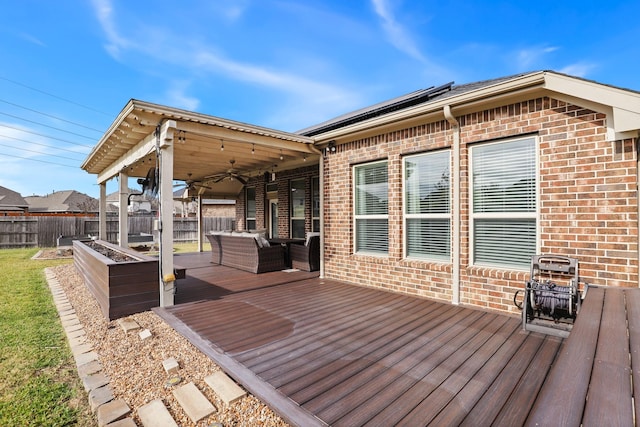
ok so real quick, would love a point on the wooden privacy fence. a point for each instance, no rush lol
(43, 231)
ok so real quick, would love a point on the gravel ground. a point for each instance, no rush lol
(134, 366)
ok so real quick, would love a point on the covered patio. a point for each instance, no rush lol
(211, 156)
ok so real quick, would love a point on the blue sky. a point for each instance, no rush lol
(69, 67)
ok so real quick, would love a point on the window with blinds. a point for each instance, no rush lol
(297, 207)
(504, 202)
(315, 204)
(427, 195)
(371, 208)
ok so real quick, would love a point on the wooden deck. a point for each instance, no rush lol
(597, 373)
(322, 352)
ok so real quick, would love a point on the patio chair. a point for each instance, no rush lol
(306, 257)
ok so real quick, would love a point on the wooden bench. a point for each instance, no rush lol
(597, 372)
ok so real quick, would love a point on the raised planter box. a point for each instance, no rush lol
(122, 287)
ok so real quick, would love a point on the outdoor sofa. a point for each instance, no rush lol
(246, 251)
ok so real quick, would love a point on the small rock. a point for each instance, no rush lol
(145, 334)
(170, 365)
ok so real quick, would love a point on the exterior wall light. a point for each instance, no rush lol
(331, 148)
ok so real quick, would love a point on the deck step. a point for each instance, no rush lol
(194, 403)
(155, 414)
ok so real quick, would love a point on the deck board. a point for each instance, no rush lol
(612, 405)
(322, 352)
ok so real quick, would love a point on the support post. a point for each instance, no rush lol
(123, 211)
(102, 212)
(165, 223)
(200, 237)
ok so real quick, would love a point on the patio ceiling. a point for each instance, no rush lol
(203, 146)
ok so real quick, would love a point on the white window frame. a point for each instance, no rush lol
(293, 218)
(246, 207)
(357, 217)
(473, 217)
(432, 216)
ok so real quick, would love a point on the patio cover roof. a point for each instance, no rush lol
(203, 146)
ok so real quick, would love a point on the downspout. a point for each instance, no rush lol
(321, 188)
(638, 203)
(455, 178)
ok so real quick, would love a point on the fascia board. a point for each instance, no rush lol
(142, 149)
(115, 125)
(622, 106)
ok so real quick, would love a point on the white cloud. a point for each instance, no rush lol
(104, 13)
(579, 69)
(527, 58)
(178, 97)
(398, 35)
(196, 60)
(32, 39)
(232, 10)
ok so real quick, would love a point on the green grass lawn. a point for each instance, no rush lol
(39, 385)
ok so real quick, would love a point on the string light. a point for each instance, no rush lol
(253, 148)
(221, 145)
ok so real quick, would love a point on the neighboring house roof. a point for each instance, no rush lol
(62, 201)
(11, 200)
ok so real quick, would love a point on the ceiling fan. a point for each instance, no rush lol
(191, 184)
(230, 174)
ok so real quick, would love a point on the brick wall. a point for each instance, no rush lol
(282, 180)
(587, 203)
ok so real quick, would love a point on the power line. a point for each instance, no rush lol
(47, 126)
(46, 136)
(38, 143)
(40, 152)
(51, 115)
(38, 160)
(54, 96)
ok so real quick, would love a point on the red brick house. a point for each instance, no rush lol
(446, 192)
(546, 163)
